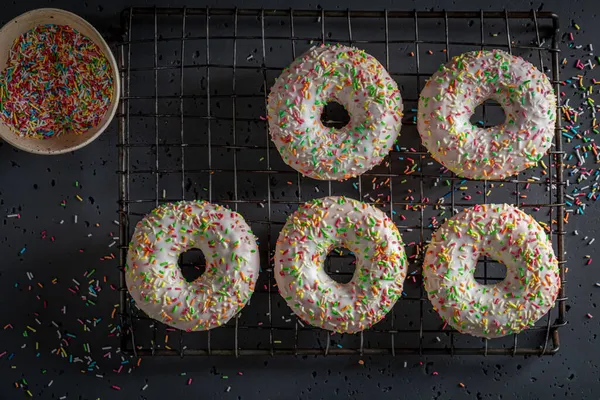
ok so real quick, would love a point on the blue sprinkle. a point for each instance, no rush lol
(23, 250)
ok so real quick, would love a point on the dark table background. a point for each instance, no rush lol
(34, 186)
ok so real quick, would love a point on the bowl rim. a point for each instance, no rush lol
(105, 48)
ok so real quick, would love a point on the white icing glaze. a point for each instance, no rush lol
(352, 78)
(505, 234)
(154, 279)
(450, 97)
(304, 242)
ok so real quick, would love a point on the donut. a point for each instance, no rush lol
(310, 233)
(355, 80)
(505, 234)
(450, 97)
(154, 278)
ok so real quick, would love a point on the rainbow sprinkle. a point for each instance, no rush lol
(57, 81)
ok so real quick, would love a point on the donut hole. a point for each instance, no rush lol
(192, 264)
(335, 115)
(488, 272)
(340, 264)
(488, 114)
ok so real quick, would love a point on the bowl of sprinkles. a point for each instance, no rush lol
(59, 83)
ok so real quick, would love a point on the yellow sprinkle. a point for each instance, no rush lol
(79, 198)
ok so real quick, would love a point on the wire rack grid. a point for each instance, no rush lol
(192, 126)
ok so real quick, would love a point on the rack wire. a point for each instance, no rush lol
(192, 126)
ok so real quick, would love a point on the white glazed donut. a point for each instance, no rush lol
(310, 234)
(154, 279)
(450, 97)
(505, 234)
(352, 78)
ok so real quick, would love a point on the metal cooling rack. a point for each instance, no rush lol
(191, 126)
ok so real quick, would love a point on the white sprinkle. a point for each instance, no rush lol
(535, 178)
(89, 235)
(77, 283)
(597, 284)
(12, 215)
(62, 221)
(50, 383)
(112, 244)
(145, 387)
(116, 222)
(591, 241)
(99, 376)
(571, 197)
(261, 205)
(575, 232)
(75, 218)
(250, 57)
(228, 388)
(581, 160)
(164, 194)
(405, 364)
(62, 397)
(316, 189)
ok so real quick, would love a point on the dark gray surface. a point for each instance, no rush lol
(35, 186)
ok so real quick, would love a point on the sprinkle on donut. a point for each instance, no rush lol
(315, 229)
(505, 234)
(352, 78)
(450, 97)
(154, 278)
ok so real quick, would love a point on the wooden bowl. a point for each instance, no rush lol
(67, 141)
